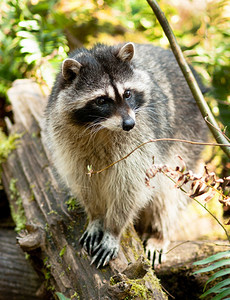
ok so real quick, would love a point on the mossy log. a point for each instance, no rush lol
(53, 222)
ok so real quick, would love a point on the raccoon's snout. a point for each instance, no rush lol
(128, 124)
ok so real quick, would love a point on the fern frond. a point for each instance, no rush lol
(218, 274)
(221, 289)
(212, 258)
(221, 263)
(222, 295)
(217, 288)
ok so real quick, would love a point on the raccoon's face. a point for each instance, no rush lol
(100, 88)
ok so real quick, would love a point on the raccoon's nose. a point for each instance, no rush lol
(128, 124)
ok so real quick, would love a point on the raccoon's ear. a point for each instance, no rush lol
(70, 68)
(126, 52)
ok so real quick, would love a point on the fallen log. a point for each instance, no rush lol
(53, 221)
(18, 280)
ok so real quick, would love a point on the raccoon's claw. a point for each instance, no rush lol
(106, 250)
(156, 252)
(155, 256)
(92, 236)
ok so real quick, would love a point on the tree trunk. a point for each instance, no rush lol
(54, 223)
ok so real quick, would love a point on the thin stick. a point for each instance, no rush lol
(203, 106)
(225, 230)
(206, 120)
(91, 172)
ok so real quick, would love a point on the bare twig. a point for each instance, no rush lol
(225, 230)
(206, 120)
(92, 172)
(203, 106)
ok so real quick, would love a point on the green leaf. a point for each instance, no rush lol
(213, 258)
(222, 295)
(63, 250)
(218, 274)
(29, 46)
(214, 266)
(29, 24)
(61, 296)
(216, 288)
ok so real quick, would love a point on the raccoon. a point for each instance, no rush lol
(105, 102)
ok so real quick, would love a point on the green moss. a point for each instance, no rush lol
(112, 281)
(72, 204)
(48, 232)
(32, 196)
(62, 252)
(62, 274)
(52, 212)
(153, 280)
(47, 186)
(27, 256)
(75, 296)
(138, 289)
(17, 211)
(7, 144)
(46, 271)
(68, 268)
(127, 237)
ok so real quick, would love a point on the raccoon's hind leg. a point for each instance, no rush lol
(152, 228)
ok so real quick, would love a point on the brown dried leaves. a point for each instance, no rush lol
(203, 188)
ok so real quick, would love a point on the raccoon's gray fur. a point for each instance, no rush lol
(106, 101)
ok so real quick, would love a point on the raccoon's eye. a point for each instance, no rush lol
(127, 95)
(100, 101)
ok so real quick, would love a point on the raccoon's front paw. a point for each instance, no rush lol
(156, 251)
(92, 236)
(106, 250)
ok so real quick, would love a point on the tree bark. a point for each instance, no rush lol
(18, 280)
(52, 230)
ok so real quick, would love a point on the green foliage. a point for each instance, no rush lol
(222, 288)
(61, 296)
(63, 250)
(7, 144)
(35, 36)
(72, 204)
(28, 34)
(212, 56)
(17, 211)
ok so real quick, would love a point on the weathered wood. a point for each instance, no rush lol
(52, 233)
(18, 280)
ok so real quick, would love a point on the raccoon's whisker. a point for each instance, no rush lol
(89, 129)
(93, 130)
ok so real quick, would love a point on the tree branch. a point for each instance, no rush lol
(197, 94)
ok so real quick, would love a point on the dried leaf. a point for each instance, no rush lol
(228, 223)
(225, 201)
